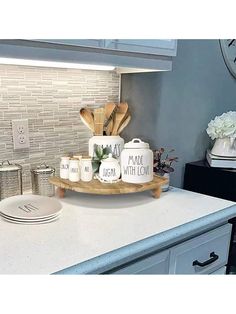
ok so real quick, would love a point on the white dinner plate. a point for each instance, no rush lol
(41, 218)
(29, 222)
(30, 207)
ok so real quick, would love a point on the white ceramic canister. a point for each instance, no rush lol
(137, 162)
(109, 169)
(86, 169)
(115, 144)
(74, 171)
(64, 167)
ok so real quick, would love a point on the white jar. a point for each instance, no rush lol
(137, 162)
(86, 169)
(109, 169)
(64, 167)
(115, 144)
(74, 171)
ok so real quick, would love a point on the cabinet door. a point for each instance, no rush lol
(203, 254)
(93, 43)
(165, 47)
(154, 264)
(220, 271)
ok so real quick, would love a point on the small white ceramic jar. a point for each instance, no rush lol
(109, 169)
(86, 169)
(137, 162)
(64, 167)
(115, 144)
(74, 171)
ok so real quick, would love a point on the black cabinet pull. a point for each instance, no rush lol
(212, 259)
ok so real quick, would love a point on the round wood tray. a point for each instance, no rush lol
(96, 187)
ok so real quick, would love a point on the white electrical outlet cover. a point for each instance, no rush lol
(20, 132)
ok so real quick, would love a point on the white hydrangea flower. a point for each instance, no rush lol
(223, 126)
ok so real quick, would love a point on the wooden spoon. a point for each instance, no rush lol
(86, 116)
(124, 124)
(110, 109)
(119, 116)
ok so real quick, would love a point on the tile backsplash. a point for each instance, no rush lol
(50, 98)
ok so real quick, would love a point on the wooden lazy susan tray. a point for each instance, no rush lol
(96, 187)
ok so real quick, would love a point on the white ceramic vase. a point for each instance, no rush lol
(115, 144)
(225, 147)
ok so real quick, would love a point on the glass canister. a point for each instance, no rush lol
(40, 183)
(137, 162)
(10, 179)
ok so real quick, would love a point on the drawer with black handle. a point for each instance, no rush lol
(203, 254)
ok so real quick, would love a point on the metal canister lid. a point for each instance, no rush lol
(43, 168)
(5, 165)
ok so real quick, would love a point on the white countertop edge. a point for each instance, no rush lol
(154, 243)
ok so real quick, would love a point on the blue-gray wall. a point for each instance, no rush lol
(172, 109)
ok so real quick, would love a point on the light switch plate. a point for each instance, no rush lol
(20, 132)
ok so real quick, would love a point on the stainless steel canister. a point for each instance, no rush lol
(40, 183)
(10, 179)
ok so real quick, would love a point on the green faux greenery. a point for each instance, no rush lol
(100, 154)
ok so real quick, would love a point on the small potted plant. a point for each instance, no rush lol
(100, 154)
(162, 166)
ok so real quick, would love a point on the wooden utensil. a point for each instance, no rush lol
(110, 109)
(124, 124)
(119, 116)
(86, 116)
(99, 117)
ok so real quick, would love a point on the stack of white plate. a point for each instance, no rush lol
(30, 209)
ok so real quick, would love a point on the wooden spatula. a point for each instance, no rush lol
(99, 117)
(119, 116)
(124, 124)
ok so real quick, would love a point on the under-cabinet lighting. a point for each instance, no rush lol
(55, 64)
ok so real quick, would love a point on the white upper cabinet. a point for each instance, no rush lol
(126, 55)
(93, 43)
(165, 47)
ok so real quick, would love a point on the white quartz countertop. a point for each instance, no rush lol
(94, 226)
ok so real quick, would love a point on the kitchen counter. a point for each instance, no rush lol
(96, 233)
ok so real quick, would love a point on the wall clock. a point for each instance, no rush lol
(228, 48)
